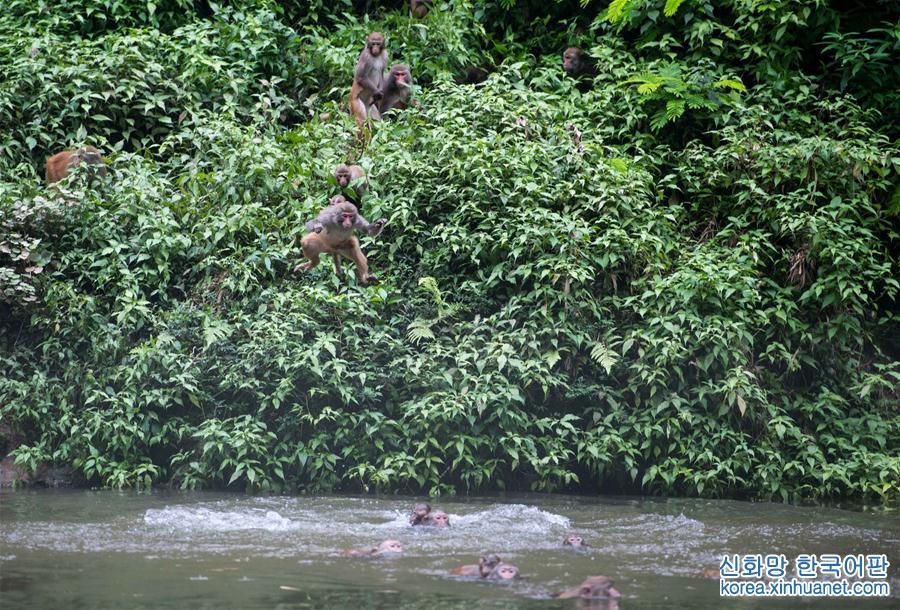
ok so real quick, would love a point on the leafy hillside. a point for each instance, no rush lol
(681, 279)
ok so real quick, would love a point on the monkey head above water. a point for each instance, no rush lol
(593, 587)
(331, 232)
(388, 548)
(437, 518)
(504, 571)
(58, 165)
(482, 569)
(574, 540)
(419, 512)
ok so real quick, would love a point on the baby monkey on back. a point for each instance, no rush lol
(423, 515)
(331, 232)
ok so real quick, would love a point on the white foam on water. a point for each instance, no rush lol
(194, 518)
(514, 516)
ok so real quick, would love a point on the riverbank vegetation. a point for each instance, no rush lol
(680, 280)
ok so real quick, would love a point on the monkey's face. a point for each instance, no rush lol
(572, 60)
(343, 177)
(420, 510)
(598, 588)
(573, 540)
(348, 218)
(487, 564)
(441, 519)
(390, 546)
(375, 44)
(506, 571)
(401, 76)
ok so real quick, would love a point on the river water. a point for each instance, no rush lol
(104, 549)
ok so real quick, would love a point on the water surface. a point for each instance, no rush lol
(104, 549)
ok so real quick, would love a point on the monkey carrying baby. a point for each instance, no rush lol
(331, 232)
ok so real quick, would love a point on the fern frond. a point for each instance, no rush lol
(674, 109)
(618, 11)
(419, 330)
(658, 120)
(604, 356)
(695, 102)
(672, 7)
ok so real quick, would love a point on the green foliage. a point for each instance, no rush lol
(699, 91)
(668, 283)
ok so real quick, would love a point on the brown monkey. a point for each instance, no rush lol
(388, 548)
(419, 512)
(593, 587)
(332, 232)
(395, 90)
(419, 8)
(352, 177)
(483, 569)
(366, 90)
(438, 519)
(58, 165)
(574, 540)
(504, 571)
(577, 63)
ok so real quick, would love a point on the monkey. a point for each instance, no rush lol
(388, 548)
(58, 165)
(486, 565)
(366, 90)
(593, 587)
(352, 177)
(577, 63)
(709, 573)
(438, 519)
(574, 540)
(504, 571)
(419, 512)
(395, 90)
(332, 232)
(472, 75)
(419, 8)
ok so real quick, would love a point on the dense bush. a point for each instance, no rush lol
(681, 281)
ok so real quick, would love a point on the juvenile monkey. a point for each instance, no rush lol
(419, 8)
(366, 90)
(58, 165)
(395, 90)
(504, 571)
(593, 587)
(352, 176)
(331, 232)
(577, 63)
(419, 512)
(437, 519)
(574, 540)
(486, 565)
(388, 548)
